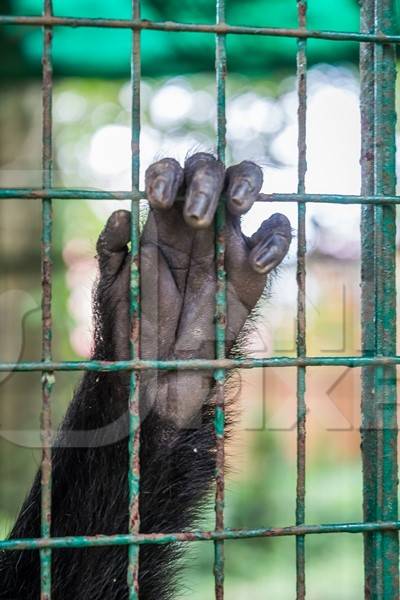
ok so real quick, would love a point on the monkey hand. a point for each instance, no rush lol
(178, 271)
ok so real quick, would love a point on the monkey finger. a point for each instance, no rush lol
(162, 182)
(112, 243)
(244, 182)
(270, 244)
(268, 254)
(204, 177)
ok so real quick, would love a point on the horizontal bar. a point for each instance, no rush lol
(86, 194)
(197, 364)
(221, 28)
(83, 541)
(68, 194)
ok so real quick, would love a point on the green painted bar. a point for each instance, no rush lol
(220, 310)
(134, 416)
(46, 268)
(68, 194)
(387, 544)
(223, 28)
(301, 68)
(195, 536)
(200, 363)
(368, 423)
(82, 194)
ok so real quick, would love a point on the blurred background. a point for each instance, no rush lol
(91, 116)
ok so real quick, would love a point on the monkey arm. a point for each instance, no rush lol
(177, 453)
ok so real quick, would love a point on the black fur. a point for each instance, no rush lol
(90, 493)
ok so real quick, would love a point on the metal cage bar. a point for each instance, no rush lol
(367, 431)
(134, 409)
(196, 535)
(378, 231)
(202, 364)
(387, 544)
(301, 60)
(85, 194)
(222, 28)
(46, 266)
(220, 311)
(378, 202)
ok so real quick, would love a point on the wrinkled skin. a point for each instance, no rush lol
(177, 456)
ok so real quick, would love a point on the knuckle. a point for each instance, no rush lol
(118, 218)
(168, 163)
(247, 169)
(203, 161)
(251, 167)
(281, 222)
(203, 156)
(162, 166)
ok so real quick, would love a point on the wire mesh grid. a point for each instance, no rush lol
(378, 200)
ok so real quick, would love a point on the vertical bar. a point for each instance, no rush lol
(368, 423)
(134, 416)
(385, 307)
(301, 297)
(220, 310)
(379, 425)
(46, 267)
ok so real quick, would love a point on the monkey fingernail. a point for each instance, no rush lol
(196, 211)
(265, 261)
(158, 193)
(266, 257)
(240, 197)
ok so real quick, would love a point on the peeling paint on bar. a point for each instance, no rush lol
(385, 399)
(134, 418)
(378, 291)
(222, 28)
(301, 61)
(368, 434)
(200, 364)
(46, 267)
(82, 194)
(195, 536)
(220, 310)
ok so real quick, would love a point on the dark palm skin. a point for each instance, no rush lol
(177, 455)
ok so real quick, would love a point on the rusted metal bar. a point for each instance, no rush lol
(385, 399)
(222, 28)
(301, 60)
(82, 194)
(134, 411)
(46, 267)
(220, 310)
(202, 364)
(368, 424)
(195, 536)
(378, 401)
